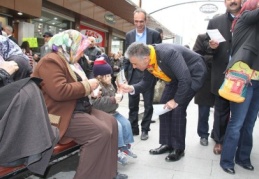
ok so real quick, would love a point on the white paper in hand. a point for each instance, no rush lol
(216, 35)
(159, 109)
(121, 79)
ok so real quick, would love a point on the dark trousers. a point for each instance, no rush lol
(173, 123)
(203, 125)
(221, 117)
(134, 109)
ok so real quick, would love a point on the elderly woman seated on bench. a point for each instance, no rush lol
(66, 89)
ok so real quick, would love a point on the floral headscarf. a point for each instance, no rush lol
(69, 44)
(8, 48)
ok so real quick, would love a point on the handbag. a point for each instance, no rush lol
(234, 86)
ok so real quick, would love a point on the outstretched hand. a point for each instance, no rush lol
(125, 88)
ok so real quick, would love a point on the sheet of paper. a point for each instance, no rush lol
(216, 35)
(121, 79)
(159, 109)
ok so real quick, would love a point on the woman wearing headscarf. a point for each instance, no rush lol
(10, 51)
(238, 141)
(66, 89)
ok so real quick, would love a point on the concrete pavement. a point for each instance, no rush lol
(199, 161)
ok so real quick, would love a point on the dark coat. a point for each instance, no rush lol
(26, 136)
(153, 37)
(178, 63)
(13, 39)
(204, 95)
(246, 40)
(222, 53)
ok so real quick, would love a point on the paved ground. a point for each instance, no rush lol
(199, 162)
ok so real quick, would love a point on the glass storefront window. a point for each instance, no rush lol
(50, 23)
(117, 45)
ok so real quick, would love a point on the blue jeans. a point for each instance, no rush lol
(203, 125)
(125, 135)
(238, 140)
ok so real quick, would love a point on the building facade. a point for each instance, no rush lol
(98, 18)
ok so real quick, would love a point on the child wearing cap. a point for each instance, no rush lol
(108, 102)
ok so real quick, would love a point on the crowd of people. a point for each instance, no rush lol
(75, 82)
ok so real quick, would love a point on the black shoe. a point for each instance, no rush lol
(135, 132)
(175, 155)
(229, 170)
(247, 167)
(160, 150)
(144, 135)
(152, 121)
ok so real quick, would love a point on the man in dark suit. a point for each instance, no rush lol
(9, 31)
(204, 98)
(148, 36)
(184, 71)
(221, 55)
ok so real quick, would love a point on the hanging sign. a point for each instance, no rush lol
(208, 8)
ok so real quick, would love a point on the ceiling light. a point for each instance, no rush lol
(55, 18)
(20, 13)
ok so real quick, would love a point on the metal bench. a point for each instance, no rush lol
(61, 152)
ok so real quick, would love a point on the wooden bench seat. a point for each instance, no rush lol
(59, 151)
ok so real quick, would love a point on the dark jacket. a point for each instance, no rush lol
(178, 63)
(13, 39)
(107, 101)
(246, 40)
(222, 53)
(153, 37)
(204, 95)
(5, 78)
(26, 136)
